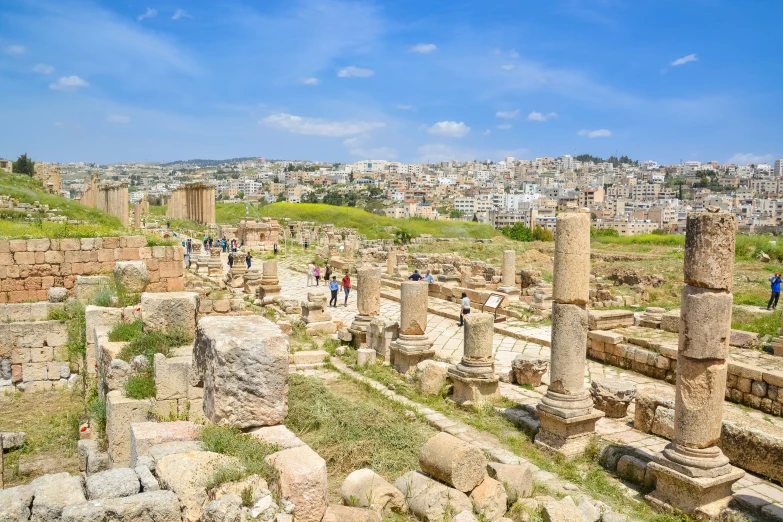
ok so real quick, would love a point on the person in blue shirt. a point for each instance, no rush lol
(774, 283)
(415, 276)
(429, 278)
(334, 287)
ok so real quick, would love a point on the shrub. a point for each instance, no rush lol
(140, 386)
(96, 410)
(519, 232)
(150, 343)
(124, 331)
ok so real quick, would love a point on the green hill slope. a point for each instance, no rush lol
(27, 190)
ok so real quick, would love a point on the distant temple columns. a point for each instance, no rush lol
(193, 202)
(109, 196)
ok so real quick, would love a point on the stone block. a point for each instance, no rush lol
(529, 369)
(612, 396)
(243, 362)
(706, 316)
(430, 500)
(670, 321)
(563, 510)
(53, 494)
(302, 481)
(489, 499)
(365, 357)
(15, 503)
(57, 295)
(131, 275)
(280, 435)
(145, 435)
(113, 483)
(742, 339)
(372, 491)
(146, 479)
(433, 376)
(121, 412)
(609, 319)
(171, 310)
(517, 478)
(153, 506)
(453, 461)
(172, 376)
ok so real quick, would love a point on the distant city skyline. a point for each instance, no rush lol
(342, 81)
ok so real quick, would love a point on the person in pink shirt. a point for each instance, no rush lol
(317, 274)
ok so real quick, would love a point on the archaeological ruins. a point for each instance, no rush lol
(195, 369)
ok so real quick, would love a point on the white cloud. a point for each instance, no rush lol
(487, 132)
(43, 68)
(684, 60)
(318, 126)
(180, 13)
(424, 48)
(741, 158)
(149, 13)
(504, 126)
(405, 107)
(508, 67)
(118, 119)
(67, 83)
(311, 81)
(15, 49)
(538, 116)
(599, 133)
(354, 72)
(451, 129)
(507, 114)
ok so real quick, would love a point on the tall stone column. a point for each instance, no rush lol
(391, 262)
(566, 411)
(474, 377)
(368, 302)
(692, 473)
(509, 272)
(412, 346)
(137, 215)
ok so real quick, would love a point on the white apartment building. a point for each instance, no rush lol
(778, 170)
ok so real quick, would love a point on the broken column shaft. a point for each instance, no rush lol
(412, 346)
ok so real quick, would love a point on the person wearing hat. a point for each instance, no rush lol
(774, 282)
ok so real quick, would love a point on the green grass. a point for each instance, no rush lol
(147, 343)
(351, 432)
(140, 386)
(28, 190)
(124, 331)
(96, 410)
(372, 225)
(250, 451)
(642, 239)
(761, 323)
(73, 314)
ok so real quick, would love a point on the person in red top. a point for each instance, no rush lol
(346, 287)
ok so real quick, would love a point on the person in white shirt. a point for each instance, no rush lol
(465, 309)
(429, 278)
(310, 274)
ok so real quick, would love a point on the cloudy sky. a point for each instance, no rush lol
(407, 80)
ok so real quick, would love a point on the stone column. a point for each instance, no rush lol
(137, 215)
(692, 473)
(270, 285)
(391, 262)
(368, 302)
(412, 346)
(566, 411)
(474, 377)
(508, 285)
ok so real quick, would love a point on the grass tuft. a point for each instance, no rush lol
(150, 343)
(250, 451)
(140, 386)
(125, 331)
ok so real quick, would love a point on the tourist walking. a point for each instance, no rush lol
(415, 276)
(310, 273)
(346, 287)
(189, 246)
(328, 273)
(305, 244)
(465, 309)
(275, 248)
(774, 283)
(317, 274)
(249, 258)
(223, 244)
(231, 261)
(334, 287)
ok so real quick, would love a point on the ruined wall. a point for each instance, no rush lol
(49, 175)
(29, 267)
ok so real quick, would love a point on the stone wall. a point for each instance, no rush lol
(748, 385)
(33, 352)
(29, 267)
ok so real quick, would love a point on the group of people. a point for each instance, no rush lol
(314, 274)
(248, 259)
(464, 308)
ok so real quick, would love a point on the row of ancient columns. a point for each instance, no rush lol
(692, 473)
(112, 198)
(194, 202)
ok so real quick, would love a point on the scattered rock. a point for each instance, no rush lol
(433, 375)
(227, 508)
(612, 396)
(517, 479)
(155, 506)
(365, 488)
(12, 439)
(453, 461)
(428, 499)
(529, 369)
(53, 493)
(114, 483)
(147, 479)
(489, 499)
(15, 503)
(302, 481)
(336, 513)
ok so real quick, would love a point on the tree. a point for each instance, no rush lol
(24, 165)
(455, 214)
(402, 237)
(311, 197)
(240, 195)
(281, 197)
(277, 179)
(475, 218)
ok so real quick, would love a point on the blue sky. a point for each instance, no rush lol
(412, 81)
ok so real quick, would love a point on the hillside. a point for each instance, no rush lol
(27, 190)
(372, 225)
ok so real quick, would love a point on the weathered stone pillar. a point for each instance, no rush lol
(270, 285)
(368, 302)
(137, 215)
(508, 285)
(474, 377)
(566, 411)
(692, 473)
(391, 262)
(412, 346)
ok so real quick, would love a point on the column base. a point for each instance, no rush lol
(403, 360)
(703, 497)
(512, 293)
(777, 346)
(358, 330)
(471, 391)
(567, 436)
(268, 291)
